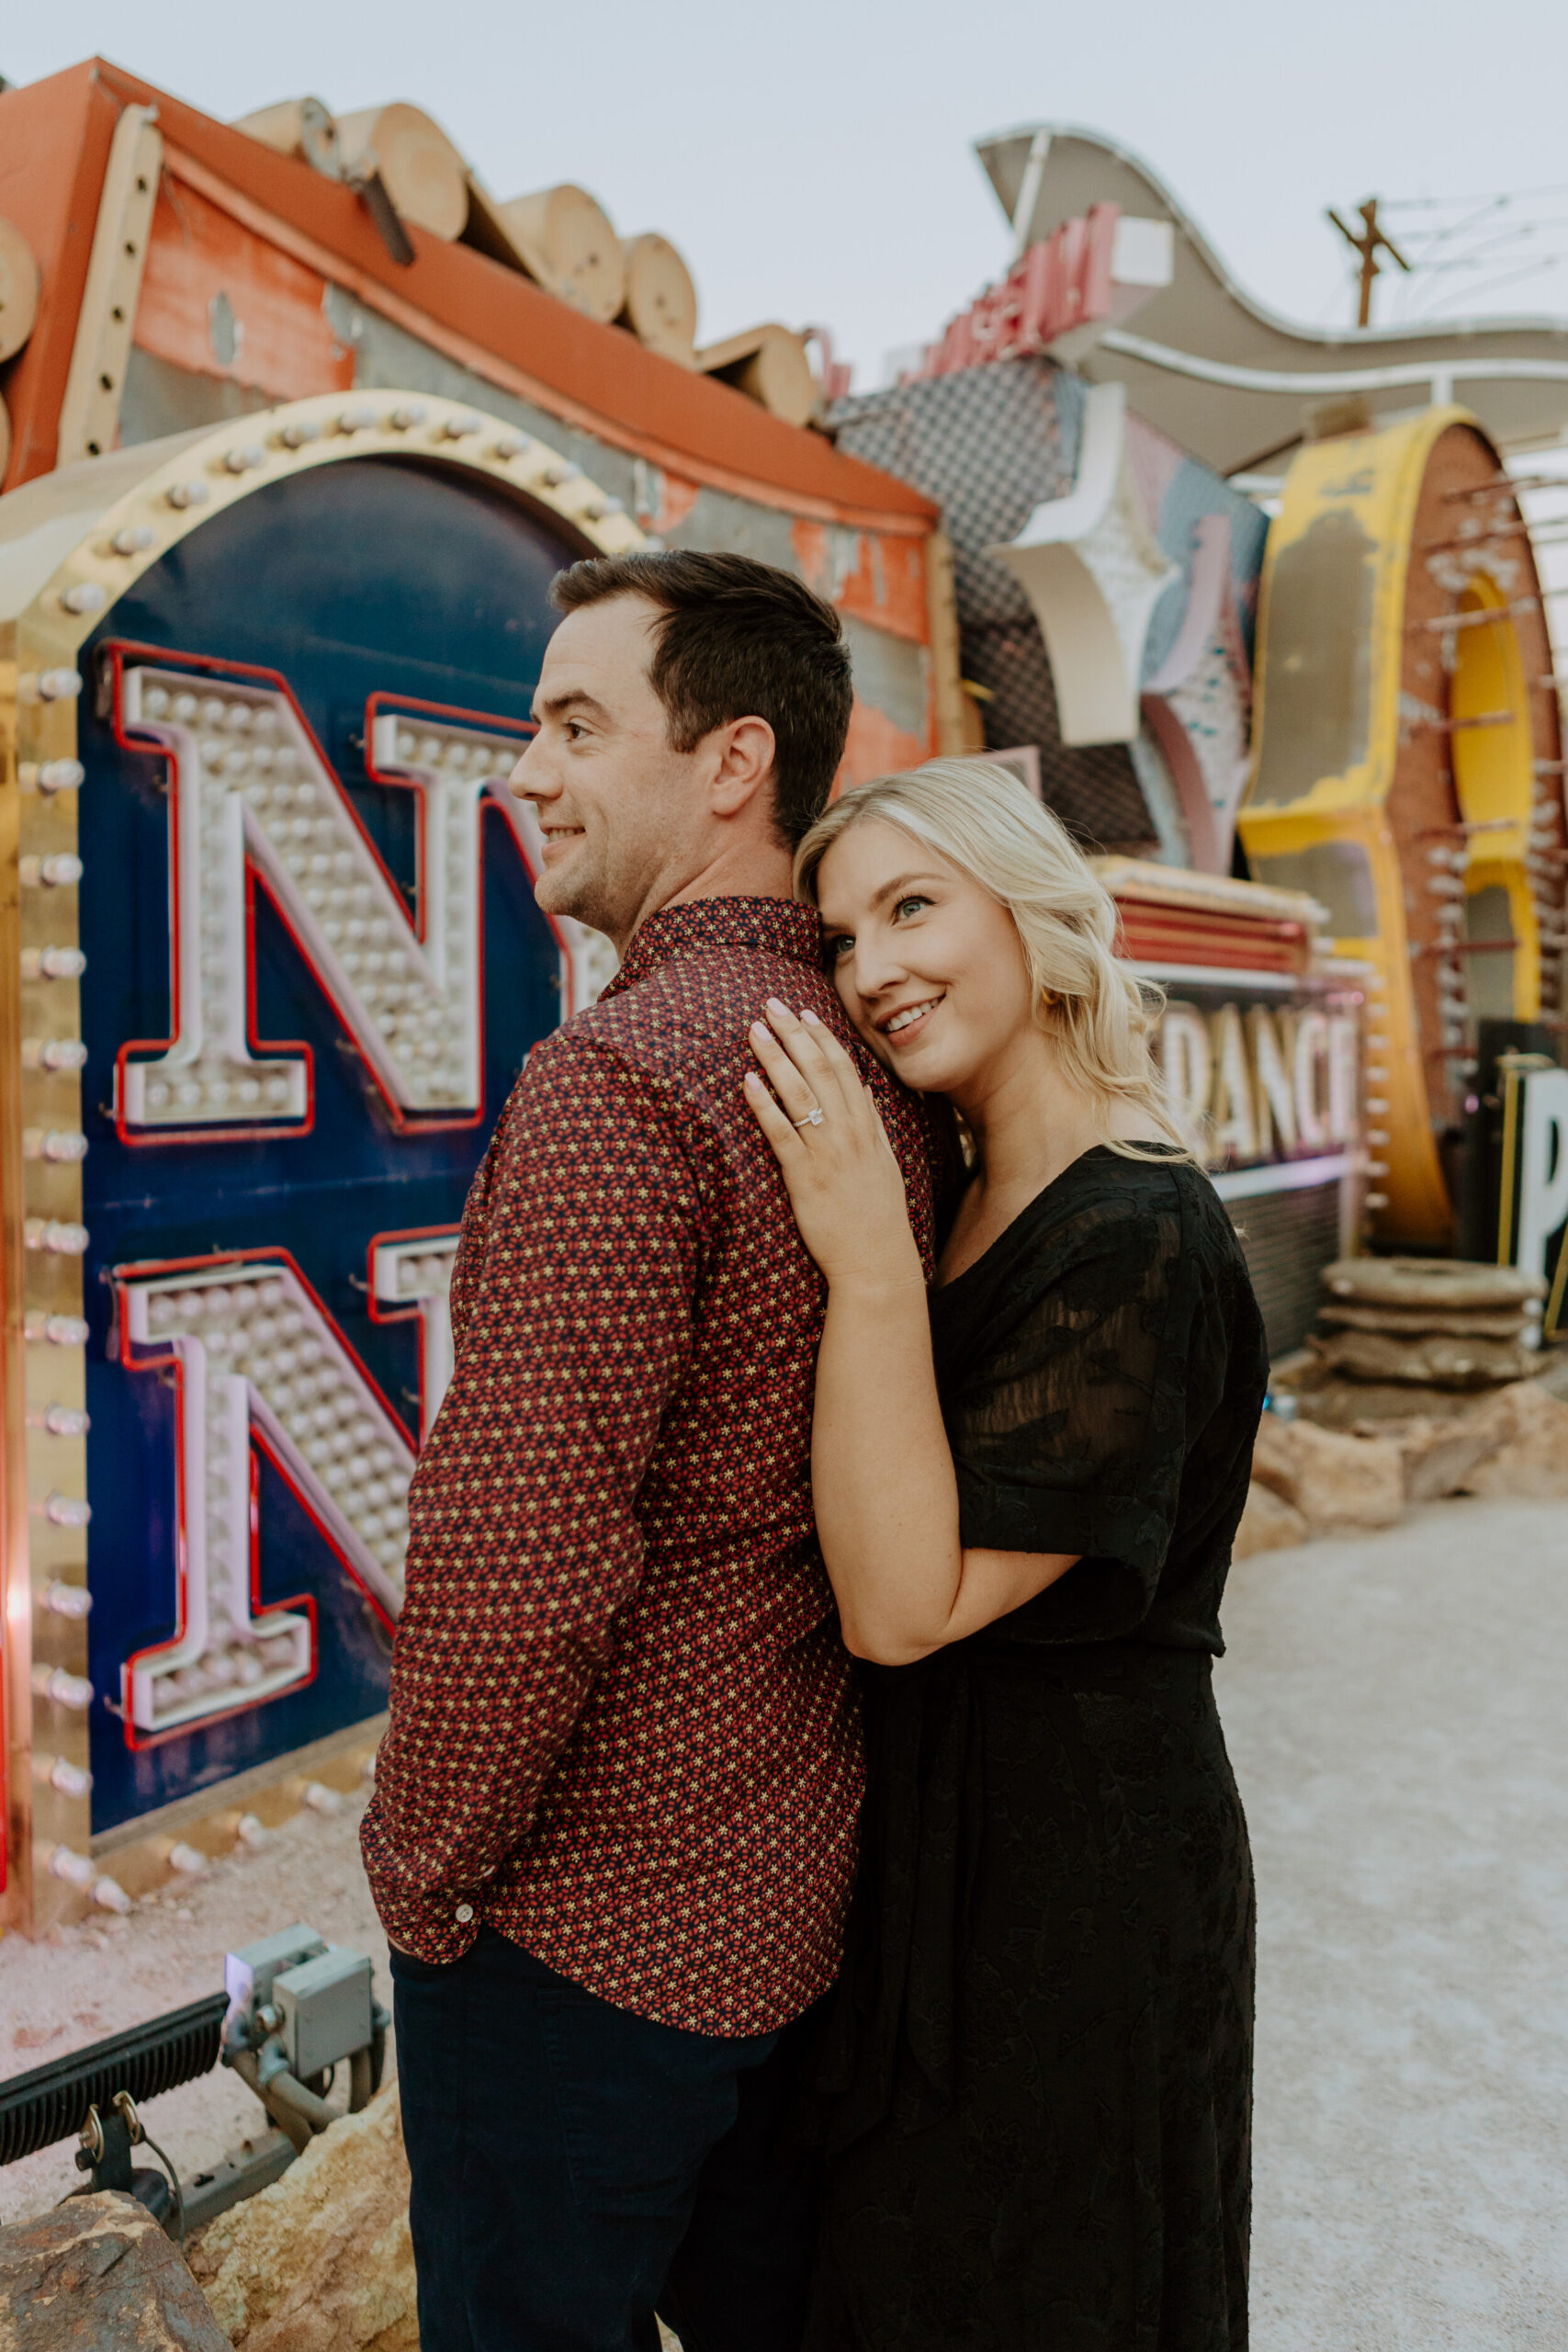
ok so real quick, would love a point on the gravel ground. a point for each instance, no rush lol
(78, 1983)
(1394, 1707)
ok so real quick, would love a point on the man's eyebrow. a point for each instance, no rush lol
(573, 698)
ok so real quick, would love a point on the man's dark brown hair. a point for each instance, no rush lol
(737, 639)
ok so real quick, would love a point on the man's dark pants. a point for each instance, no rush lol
(576, 2168)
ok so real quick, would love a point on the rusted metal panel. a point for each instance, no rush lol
(219, 301)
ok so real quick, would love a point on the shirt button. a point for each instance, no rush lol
(464, 1912)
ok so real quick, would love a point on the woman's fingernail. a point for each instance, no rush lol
(783, 1010)
(758, 1029)
(750, 1079)
(807, 1014)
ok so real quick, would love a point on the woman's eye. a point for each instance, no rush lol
(839, 947)
(906, 906)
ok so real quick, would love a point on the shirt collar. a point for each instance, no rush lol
(768, 926)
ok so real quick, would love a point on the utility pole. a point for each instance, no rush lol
(1370, 242)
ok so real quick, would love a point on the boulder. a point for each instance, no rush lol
(1438, 1456)
(1362, 1406)
(1424, 1359)
(1463, 1323)
(1430, 1282)
(1513, 1443)
(321, 2261)
(1527, 1458)
(1267, 1524)
(1274, 1459)
(1334, 1481)
(97, 2273)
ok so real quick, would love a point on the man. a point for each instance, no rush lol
(614, 1818)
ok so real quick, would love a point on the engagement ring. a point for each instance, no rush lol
(812, 1118)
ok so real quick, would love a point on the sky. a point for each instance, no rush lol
(814, 161)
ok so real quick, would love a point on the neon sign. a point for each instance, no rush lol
(278, 965)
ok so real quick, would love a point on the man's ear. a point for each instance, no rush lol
(744, 752)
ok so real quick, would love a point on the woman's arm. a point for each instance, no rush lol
(881, 1476)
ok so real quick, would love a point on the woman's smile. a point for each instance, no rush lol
(909, 1022)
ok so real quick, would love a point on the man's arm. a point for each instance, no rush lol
(575, 1296)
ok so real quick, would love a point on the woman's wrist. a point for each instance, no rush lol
(881, 1287)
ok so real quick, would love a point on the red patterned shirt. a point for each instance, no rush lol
(622, 1726)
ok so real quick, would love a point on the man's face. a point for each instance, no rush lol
(620, 808)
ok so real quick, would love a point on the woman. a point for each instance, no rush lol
(1026, 1488)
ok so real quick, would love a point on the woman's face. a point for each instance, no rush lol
(929, 966)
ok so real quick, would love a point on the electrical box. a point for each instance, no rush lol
(326, 2007)
(250, 1973)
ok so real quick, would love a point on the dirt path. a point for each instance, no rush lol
(1396, 1713)
(1395, 1708)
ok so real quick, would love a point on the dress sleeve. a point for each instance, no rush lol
(1069, 1434)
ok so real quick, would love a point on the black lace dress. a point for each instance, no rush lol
(1038, 2076)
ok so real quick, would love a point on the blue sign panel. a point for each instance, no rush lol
(314, 968)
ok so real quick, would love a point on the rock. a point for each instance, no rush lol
(1332, 1480)
(1273, 1459)
(1514, 1443)
(1528, 1460)
(321, 2261)
(1433, 1359)
(1463, 1323)
(97, 2274)
(1430, 1282)
(1438, 1456)
(1267, 1524)
(1363, 1405)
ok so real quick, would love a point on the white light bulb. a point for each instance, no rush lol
(63, 1599)
(52, 963)
(65, 1510)
(76, 1870)
(59, 1331)
(61, 776)
(72, 1691)
(57, 1234)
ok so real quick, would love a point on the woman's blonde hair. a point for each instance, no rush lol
(985, 821)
